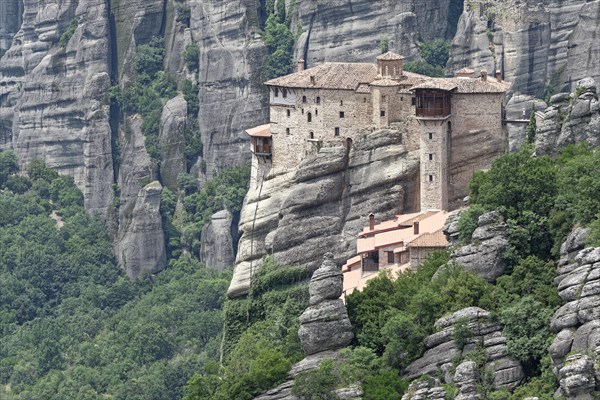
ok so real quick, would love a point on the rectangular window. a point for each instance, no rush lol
(390, 257)
(337, 131)
(430, 157)
(413, 101)
(430, 178)
(287, 131)
(382, 113)
(289, 113)
(430, 135)
(276, 92)
(342, 115)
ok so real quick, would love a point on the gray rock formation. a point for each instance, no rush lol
(451, 228)
(574, 243)
(232, 54)
(442, 349)
(485, 255)
(11, 15)
(425, 389)
(466, 379)
(577, 378)
(172, 141)
(533, 42)
(216, 244)
(141, 243)
(518, 113)
(324, 325)
(570, 119)
(53, 101)
(322, 205)
(337, 30)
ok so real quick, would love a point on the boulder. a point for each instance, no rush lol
(466, 379)
(577, 377)
(171, 141)
(485, 255)
(425, 389)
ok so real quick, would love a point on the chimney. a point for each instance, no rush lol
(416, 227)
(312, 80)
(300, 65)
(484, 75)
(499, 76)
(371, 222)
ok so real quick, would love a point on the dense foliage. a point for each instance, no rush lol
(279, 38)
(434, 56)
(72, 326)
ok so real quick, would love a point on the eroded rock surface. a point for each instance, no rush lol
(442, 349)
(172, 141)
(325, 325)
(570, 119)
(216, 243)
(427, 389)
(466, 379)
(141, 243)
(518, 114)
(485, 255)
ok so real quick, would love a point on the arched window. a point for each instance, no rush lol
(309, 117)
(316, 112)
(289, 113)
(304, 99)
(311, 135)
(318, 100)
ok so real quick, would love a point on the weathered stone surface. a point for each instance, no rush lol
(322, 205)
(451, 228)
(577, 377)
(53, 101)
(485, 256)
(530, 41)
(518, 114)
(11, 15)
(171, 141)
(466, 379)
(216, 243)
(441, 349)
(429, 389)
(141, 244)
(570, 120)
(324, 325)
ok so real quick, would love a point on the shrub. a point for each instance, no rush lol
(191, 56)
(68, 34)
(317, 384)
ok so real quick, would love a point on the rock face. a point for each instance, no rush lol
(339, 30)
(442, 350)
(532, 42)
(141, 244)
(53, 101)
(570, 119)
(577, 377)
(429, 389)
(172, 141)
(324, 325)
(466, 379)
(518, 113)
(11, 15)
(485, 255)
(322, 205)
(216, 244)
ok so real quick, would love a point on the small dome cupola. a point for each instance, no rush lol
(390, 65)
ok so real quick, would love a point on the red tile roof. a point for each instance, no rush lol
(260, 131)
(329, 76)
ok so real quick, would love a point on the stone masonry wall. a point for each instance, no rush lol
(434, 141)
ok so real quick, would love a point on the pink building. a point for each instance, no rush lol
(395, 245)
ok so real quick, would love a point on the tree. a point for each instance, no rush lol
(532, 126)
(9, 164)
(384, 44)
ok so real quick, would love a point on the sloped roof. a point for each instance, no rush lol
(390, 56)
(260, 131)
(329, 76)
(435, 239)
(464, 85)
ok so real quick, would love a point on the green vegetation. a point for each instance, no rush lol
(68, 34)
(260, 336)
(72, 326)
(279, 38)
(531, 127)
(384, 44)
(434, 56)
(191, 56)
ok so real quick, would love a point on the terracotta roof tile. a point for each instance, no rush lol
(390, 56)
(464, 85)
(260, 131)
(435, 239)
(329, 76)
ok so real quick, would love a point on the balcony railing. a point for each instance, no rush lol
(433, 112)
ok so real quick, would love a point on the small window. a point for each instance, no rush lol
(364, 99)
(390, 257)
(383, 97)
(287, 131)
(309, 117)
(316, 112)
(276, 92)
(413, 101)
(289, 113)
(284, 93)
(382, 113)
(303, 111)
(342, 114)
(318, 100)
(430, 157)
(311, 135)
(401, 98)
(341, 102)
(430, 135)
(337, 131)
(430, 178)
(304, 99)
